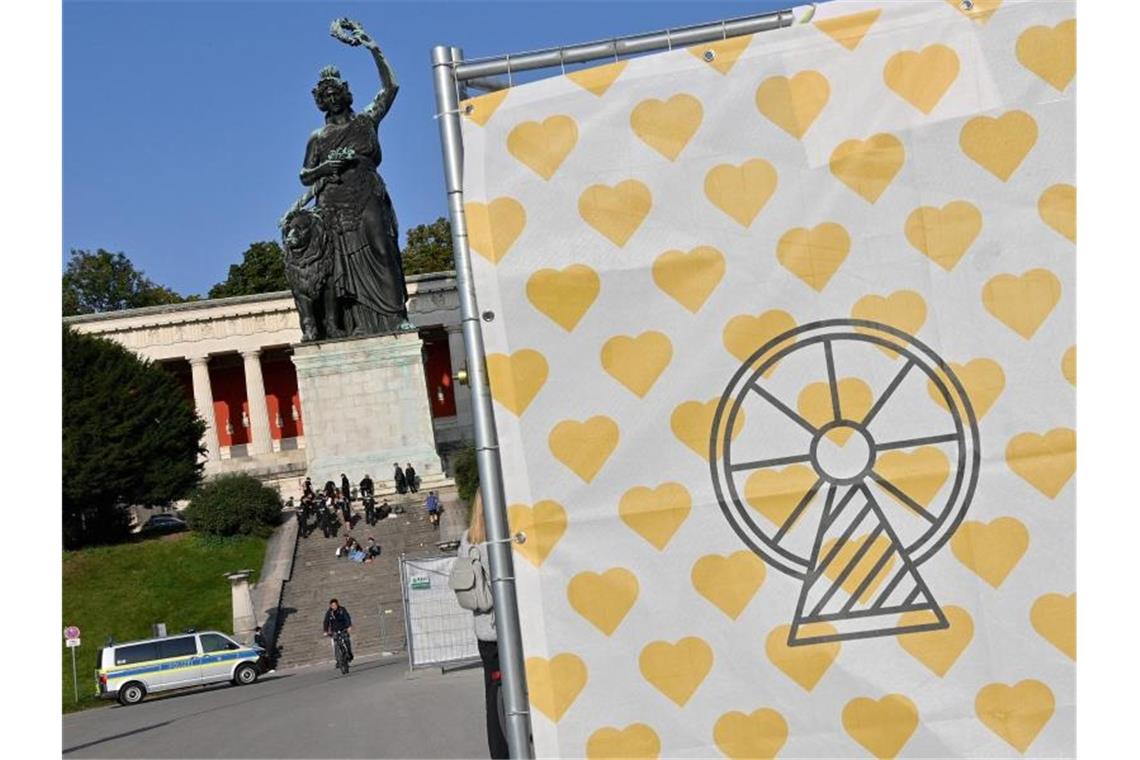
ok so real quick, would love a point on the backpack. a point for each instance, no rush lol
(470, 581)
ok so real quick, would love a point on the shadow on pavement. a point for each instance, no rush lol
(112, 738)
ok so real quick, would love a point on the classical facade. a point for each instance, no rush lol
(233, 357)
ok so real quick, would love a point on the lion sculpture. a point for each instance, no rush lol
(308, 269)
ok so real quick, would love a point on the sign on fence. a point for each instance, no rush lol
(439, 631)
(783, 361)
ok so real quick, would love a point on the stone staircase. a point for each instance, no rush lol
(366, 589)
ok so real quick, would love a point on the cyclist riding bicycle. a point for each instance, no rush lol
(337, 619)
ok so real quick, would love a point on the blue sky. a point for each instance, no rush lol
(184, 123)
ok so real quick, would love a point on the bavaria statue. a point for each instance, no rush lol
(342, 255)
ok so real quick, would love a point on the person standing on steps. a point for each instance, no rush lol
(475, 538)
(410, 477)
(345, 487)
(338, 619)
(401, 481)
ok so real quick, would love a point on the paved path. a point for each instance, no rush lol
(378, 710)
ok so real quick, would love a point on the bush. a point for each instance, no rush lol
(466, 471)
(233, 505)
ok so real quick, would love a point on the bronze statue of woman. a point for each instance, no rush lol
(340, 168)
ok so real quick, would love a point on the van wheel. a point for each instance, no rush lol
(245, 674)
(131, 693)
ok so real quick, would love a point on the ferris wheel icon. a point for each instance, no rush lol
(845, 453)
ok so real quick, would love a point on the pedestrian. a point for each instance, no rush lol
(330, 488)
(410, 477)
(345, 487)
(433, 508)
(476, 537)
(401, 481)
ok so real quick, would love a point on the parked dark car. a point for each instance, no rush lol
(159, 524)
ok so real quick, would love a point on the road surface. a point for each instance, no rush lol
(378, 710)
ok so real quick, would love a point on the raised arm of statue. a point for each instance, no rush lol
(352, 33)
(388, 85)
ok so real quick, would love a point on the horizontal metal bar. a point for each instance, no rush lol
(622, 46)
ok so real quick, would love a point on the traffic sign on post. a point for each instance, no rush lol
(71, 632)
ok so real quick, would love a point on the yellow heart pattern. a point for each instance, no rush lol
(554, 684)
(848, 30)
(904, 310)
(584, 446)
(729, 582)
(806, 664)
(1054, 616)
(855, 400)
(481, 109)
(492, 228)
(1047, 462)
(868, 166)
(1069, 365)
(882, 727)
(741, 191)
(637, 362)
(776, 493)
(1015, 713)
(938, 650)
(793, 104)
(1058, 209)
(1050, 53)
(692, 424)
(667, 126)
(1022, 303)
(815, 255)
(564, 296)
(983, 380)
(655, 514)
(724, 52)
(517, 378)
(944, 234)
(543, 146)
(616, 211)
(999, 144)
(758, 735)
(544, 525)
(597, 79)
(676, 670)
(634, 742)
(922, 77)
(745, 334)
(920, 474)
(991, 550)
(603, 599)
(689, 278)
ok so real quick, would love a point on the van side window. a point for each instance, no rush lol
(183, 646)
(212, 642)
(136, 653)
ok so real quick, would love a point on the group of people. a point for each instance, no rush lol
(351, 549)
(326, 510)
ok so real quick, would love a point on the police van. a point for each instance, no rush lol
(133, 669)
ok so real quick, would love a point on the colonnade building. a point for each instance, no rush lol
(233, 358)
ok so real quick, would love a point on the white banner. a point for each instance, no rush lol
(783, 362)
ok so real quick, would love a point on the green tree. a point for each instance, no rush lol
(98, 281)
(429, 248)
(262, 270)
(234, 504)
(129, 438)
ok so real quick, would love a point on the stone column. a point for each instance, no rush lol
(242, 600)
(204, 403)
(462, 392)
(258, 410)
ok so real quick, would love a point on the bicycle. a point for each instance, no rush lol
(340, 647)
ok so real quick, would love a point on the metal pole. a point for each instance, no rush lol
(511, 660)
(615, 48)
(74, 674)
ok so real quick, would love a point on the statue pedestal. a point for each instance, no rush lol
(366, 408)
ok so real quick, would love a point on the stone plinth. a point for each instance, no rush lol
(366, 407)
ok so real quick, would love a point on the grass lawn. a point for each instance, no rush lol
(122, 590)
